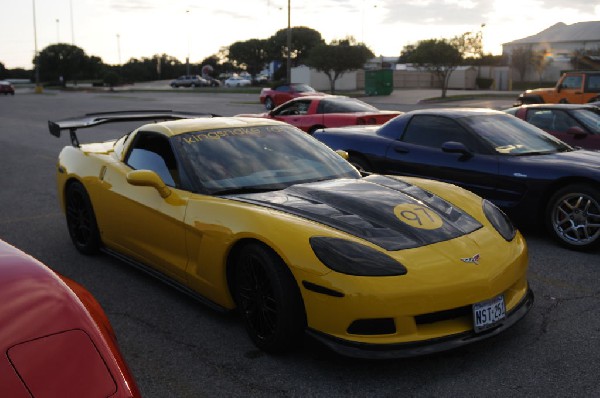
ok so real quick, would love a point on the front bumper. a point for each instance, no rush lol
(404, 350)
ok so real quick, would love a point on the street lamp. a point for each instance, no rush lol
(187, 58)
(57, 30)
(119, 47)
(38, 87)
(289, 48)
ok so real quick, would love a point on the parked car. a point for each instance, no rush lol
(312, 113)
(575, 87)
(577, 125)
(189, 81)
(237, 81)
(272, 97)
(212, 82)
(536, 178)
(255, 214)
(6, 88)
(55, 338)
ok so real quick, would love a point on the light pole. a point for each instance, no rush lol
(38, 87)
(187, 58)
(72, 28)
(57, 30)
(119, 47)
(289, 48)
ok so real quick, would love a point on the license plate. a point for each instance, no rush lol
(487, 314)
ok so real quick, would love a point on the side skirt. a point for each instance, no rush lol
(165, 279)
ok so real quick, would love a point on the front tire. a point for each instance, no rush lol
(269, 103)
(81, 219)
(268, 299)
(362, 165)
(573, 216)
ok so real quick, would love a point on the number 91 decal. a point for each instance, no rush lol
(418, 216)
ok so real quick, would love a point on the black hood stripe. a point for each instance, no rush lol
(365, 208)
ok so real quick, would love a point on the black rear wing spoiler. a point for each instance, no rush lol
(94, 119)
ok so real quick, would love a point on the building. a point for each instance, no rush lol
(560, 43)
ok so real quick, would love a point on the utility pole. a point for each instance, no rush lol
(289, 47)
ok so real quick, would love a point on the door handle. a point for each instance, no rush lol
(400, 149)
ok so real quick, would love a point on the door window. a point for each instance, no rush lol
(152, 151)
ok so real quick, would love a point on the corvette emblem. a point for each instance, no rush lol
(472, 260)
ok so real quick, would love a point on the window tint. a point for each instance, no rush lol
(551, 119)
(344, 105)
(572, 82)
(433, 131)
(294, 108)
(283, 89)
(152, 151)
(593, 83)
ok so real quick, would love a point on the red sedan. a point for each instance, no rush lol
(272, 97)
(56, 340)
(312, 113)
(577, 125)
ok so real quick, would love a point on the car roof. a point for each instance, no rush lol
(558, 106)
(455, 112)
(183, 126)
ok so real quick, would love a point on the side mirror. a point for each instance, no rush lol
(148, 178)
(577, 132)
(343, 154)
(456, 147)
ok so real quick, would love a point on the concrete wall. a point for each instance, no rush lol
(461, 79)
(320, 82)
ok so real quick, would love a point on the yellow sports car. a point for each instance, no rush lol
(255, 215)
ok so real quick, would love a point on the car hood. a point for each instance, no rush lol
(539, 90)
(578, 162)
(349, 130)
(383, 210)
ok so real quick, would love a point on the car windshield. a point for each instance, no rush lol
(590, 118)
(344, 105)
(509, 135)
(303, 88)
(257, 158)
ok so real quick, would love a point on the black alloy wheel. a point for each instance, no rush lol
(268, 299)
(81, 220)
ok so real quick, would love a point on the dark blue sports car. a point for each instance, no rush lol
(536, 178)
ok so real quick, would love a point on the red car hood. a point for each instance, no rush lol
(53, 346)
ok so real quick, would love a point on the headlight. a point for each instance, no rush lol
(354, 258)
(499, 220)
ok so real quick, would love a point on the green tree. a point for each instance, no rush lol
(438, 56)
(250, 54)
(337, 58)
(520, 59)
(61, 62)
(469, 44)
(540, 62)
(159, 66)
(3, 71)
(303, 41)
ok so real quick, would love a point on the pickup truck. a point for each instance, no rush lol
(578, 87)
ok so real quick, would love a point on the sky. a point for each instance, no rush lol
(118, 30)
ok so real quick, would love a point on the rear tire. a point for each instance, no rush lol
(268, 299)
(573, 216)
(81, 219)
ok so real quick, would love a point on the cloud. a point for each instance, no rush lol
(442, 12)
(133, 5)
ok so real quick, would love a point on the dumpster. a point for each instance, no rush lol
(379, 82)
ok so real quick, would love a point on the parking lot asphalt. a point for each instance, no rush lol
(179, 348)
